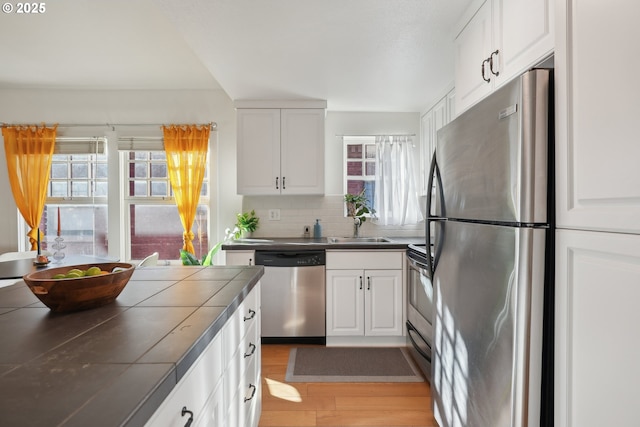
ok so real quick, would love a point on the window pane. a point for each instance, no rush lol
(79, 170)
(354, 186)
(140, 188)
(354, 168)
(371, 168)
(59, 170)
(159, 188)
(158, 170)
(100, 170)
(370, 151)
(354, 151)
(80, 157)
(139, 155)
(158, 155)
(370, 191)
(79, 189)
(140, 170)
(101, 189)
(83, 228)
(158, 228)
(59, 189)
(204, 191)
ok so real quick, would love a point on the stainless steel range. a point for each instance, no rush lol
(420, 307)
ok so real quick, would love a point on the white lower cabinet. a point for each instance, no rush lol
(222, 388)
(240, 258)
(596, 350)
(364, 302)
(365, 294)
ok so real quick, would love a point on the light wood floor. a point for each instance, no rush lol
(338, 404)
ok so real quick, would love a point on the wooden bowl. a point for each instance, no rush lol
(79, 293)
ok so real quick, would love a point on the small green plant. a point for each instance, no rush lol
(246, 222)
(358, 206)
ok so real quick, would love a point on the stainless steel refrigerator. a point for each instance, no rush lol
(491, 222)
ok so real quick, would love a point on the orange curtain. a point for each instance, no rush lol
(29, 150)
(186, 147)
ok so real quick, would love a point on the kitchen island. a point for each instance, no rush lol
(114, 365)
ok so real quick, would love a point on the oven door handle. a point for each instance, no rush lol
(411, 328)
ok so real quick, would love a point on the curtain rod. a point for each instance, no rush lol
(380, 134)
(212, 125)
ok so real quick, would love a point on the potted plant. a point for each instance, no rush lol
(358, 206)
(246, 223)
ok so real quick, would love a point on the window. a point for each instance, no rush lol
(383, 167)
(153, 221)
(360, 165)
(76, 206)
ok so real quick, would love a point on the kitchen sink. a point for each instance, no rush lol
(357, 239)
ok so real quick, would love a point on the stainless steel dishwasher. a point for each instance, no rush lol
(293, 296)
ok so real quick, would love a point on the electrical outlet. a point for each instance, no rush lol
(307, 229)
(274, 214)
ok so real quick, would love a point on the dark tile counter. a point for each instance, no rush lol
(298, 244)
(113, 365)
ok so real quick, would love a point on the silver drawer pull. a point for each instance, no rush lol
(252, 346)
(252, 314)
(253, 393)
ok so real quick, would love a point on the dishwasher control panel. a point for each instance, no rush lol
(290, 258)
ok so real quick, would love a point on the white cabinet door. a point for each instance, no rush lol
(598, 178)
(345, 302)
(258, 151)
(302, 151)
(280, 151)
(597, 350)
(240, 257)
(383, 303)
(501, 41)
(524, 34)
(472, 47)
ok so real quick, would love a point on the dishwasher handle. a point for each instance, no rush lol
(290, 258)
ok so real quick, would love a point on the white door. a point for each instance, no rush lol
(383, 302)
(472, 47)
(345, 303)
(523, 33)
(598, 177)
(258, 151)
(597, 350)
(302, 151)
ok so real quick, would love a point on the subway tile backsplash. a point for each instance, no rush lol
(296, 212)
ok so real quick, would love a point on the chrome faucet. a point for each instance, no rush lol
(356, 226)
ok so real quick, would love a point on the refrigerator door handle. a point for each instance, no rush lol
(434, 170)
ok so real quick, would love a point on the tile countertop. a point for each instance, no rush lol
(292, 243)
(113, 365)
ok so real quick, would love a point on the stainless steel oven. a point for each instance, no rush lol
(420, 307)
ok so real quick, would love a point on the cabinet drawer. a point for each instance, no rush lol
(244, 355)
(214, 410)
(193, 390)
(368, 260)
(247, 397)
(241, 321)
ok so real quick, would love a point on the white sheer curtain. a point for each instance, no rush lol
(396, 195)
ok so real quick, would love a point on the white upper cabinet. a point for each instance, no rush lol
(280, 151)
(502, 39)
(598, 174)
(430, 123)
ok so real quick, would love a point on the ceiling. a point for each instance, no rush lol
(359, 55)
